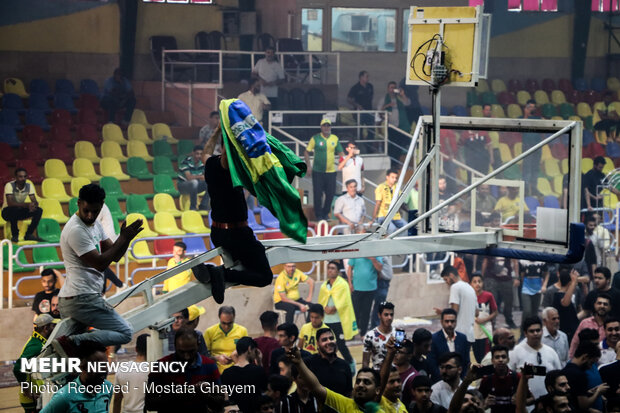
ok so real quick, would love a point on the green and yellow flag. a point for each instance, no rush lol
(264, 166)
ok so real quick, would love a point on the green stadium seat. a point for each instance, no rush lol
(185, 147)
(162, 148)
(49, 230)
(112, 187)
(16, 267)
(137, 204)
(115, 208)
(567, 110)
(137, 168)
(46, 255)
(548, 110)
(163, 184)
(162, 165)
(73, 206)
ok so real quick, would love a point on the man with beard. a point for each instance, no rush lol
(450, 368)
(41, 304)
(390, 400)
(602, 305)
(331, 371)
(464, 400)
(499, 387)
(422, 340)
(448, 340)
(609, 343)
(586, 355)
(288, 333)
(602, 284)
(366, 389)
(67, 400)
(421, 395)
(556, 382)
(54, 307)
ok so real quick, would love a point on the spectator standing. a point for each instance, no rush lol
(182, 278)
(191, 180)
(383, 197)
(42, 302)
(350, 209)
(499, 388)
(602, 284)
(586, 355)
(360, 97)
(16, 208)
(395, 102)
(501, 337)
(325, 147)
(288, 333)
(286, 295)
(553, 336)
(331, 371)
(335, 297)
(590, 184)
(500, 277)
(610, 342)
(271, 74)
(477, 151)
(133, 400)
(562, 301)
(300, 401)
(375, 349)
(486, 313)
(451, 369)
(221, 337)
(602, 306)
(414, 111)
(384, 277)
(209, 129)
(307, 334)
(448, 340)
(268, 342)
(362, 275)
(352, 166)
(509, 205)
(531, 163)
(118, 94)
(422, 343)
(610, 374)
(256, 101)
(243, 373)
(421, 393)
(192, 315)
(399, 357)
(463, 300)
(535, 276)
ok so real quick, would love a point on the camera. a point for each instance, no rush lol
(530, 370)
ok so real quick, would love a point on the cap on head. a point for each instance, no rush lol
(195, 311)
(326, 121)
(44, 319)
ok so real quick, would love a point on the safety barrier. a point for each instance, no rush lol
(10, 272)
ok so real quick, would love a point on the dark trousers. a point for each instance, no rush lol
(362, 302)
(480, 349)
(112, 104)
(244, 247)
(290, 309)
(323, 190)
(340, 342)
(380, 296)
(502, 291)
(13, 214)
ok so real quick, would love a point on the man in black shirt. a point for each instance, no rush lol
(287, 335)
(421, 394)
(332, 372)
(610, 374)
(602, 284)
(590, 198)
(42, 303)
(245, 373)
(229, 228)
(422, 343)
(586, 355)
(360, 97)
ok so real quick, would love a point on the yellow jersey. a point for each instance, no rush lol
(389, 407)
(343, 404)
(308, 333)
(288, 285)
(178, 280)
(385, 194)
(218, 342)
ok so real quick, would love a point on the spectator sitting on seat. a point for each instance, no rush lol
(256, 101)
(352, 166)
(383, 197)
(207, 130)
(350, 208)
(41, 304)
(510, 204)
(307, 334)
(182, 278)
(132, 401)
(271, 74)
(118, 94)
(268, 342)
(221, 337)
(191, 180)
(286, 295)
(17, 209)
(606, 117)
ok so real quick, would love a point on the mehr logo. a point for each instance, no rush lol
(72, 365)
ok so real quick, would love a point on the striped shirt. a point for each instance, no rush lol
(188, 165)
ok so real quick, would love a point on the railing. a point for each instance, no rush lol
(10, 272)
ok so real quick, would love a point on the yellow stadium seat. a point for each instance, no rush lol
(514, 111)
(85, 168)
(138, 116)
(85, 149)
(613, 83)
(497, 111)
(557, 118)
(504, 152)
(541, 97)
(54, 188)
(162, 131)
(112, 132)
(476, 111)
(546, 153)
(165, 203)
(609, 165)
(517, 148)
(77, 183)
(55, 168)
(565, 166)
(498, 85)
(583, 110)
(184, 203)
(483, 86)
(137, 132)
(112, 149)
(523, 96)
(610, 200)
(165, 224)
(544, 187)
(53, 210)
(558, 184)
(575, 118)
(141, 248)
(552, 167)
(22, 227)
(112, 167)
(494, 137)
(138, 149)
(557, 97)
(15, 85)
(192, 222)
(146, 230)
(36, 196)
(586, 165)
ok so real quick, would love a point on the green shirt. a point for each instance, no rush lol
(325, 151)
(70, 399)
(188, 165)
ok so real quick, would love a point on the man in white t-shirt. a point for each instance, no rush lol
(463, 300)
(352, 166)
(87, 252)
(271, 74)
(256, 101)
(133, 400)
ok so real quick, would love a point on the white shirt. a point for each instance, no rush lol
(106, 221)
(133, 401)
(450, 342)
(353, 168)
(374, 343)
(523, 353)
(442, 393)
(256, 103)
(464, 295)
(76, 240)
(269, 72)
(352, 209)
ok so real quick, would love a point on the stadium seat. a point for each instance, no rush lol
(583, 110)
(472, 99)
(565, 86)
(523, 96)
(165, 224)
(137, 168)
(48, 230)
(112, 187)
(86, 150)
(531, 85)
(137, 204)
(64, 101)
(10, 117)
(55, 168)
(112, 167)
(45, 256)
(514, 111)
(146, 230)
(557, 97)
(137, 132)
(193, 223)
(165, 203)
(517, 148)
(163, 184)
(22, 258)
(53, 188)
(164, 246)
(195, 245)
(565, 166)
(9, 136)
(544, 187)
(586, 165)
(5, 175)
(61, 152)
(185, 147)
(64, 86)
(457, 110)
(566, 110)
(497, 111)
(13, 101)
(609, 165)
(476, 111)
(115, 208)
(85, 168)
(162, 131)
(138, 149)
(573, 97)
(184, 203)
(488, 98)
(483, 86)
(613, 84)
(88, 103)
(504, 152)
(551, 201)
(28, 151)
(16, 86)
(77, 183)
(163, 148)
(514, 85)
(267, 219)
(112, 149)
(610, 200)
(138, 116)
(53, 210)
(559, 150)
(498, 85)
(548, 85)
(532, 203)
(37, 117)
(162, 165)
(591, 97)
(39, 101)
(31, 167)
(87, 132)
(598, 84)
(558, 184)
(112, 132)
(6, 154)
(506, 98)
(552, 167)
(612, 150)
(255, 226)
(40, 86)
(548, 110)
(73, 206)
(62, 117)
(89, 86)
(88, 116)
(541, 97)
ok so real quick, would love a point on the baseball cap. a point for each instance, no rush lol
(195, 311)
(326, 121)
(44, 319)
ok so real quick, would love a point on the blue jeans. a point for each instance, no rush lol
(192, 188)
(92, 310)
(380, 296)
(395, 224)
